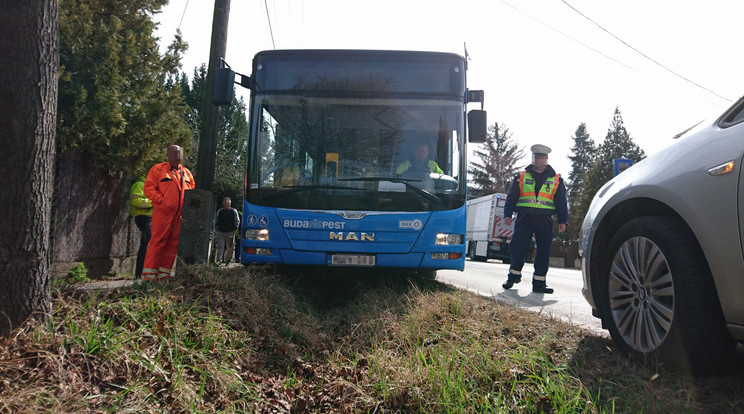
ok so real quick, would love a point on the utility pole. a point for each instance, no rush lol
(198, 206)
(208, 138)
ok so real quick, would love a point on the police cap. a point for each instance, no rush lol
(539, 149)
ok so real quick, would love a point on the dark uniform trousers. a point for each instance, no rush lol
(525, 226)
(144, 223)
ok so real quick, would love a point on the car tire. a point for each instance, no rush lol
(474, 257)
(471, 252)
(658, 297)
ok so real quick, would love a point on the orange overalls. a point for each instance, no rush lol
(165, 187)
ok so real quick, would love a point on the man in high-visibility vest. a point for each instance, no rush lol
(141, 208)
(536, 195)
(420, 161)
(165, 186)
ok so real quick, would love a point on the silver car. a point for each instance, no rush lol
(662, 249)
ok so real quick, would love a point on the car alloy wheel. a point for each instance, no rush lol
(659, 300)
(641, 294)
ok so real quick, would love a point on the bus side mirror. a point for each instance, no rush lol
(222, 92)
(477, 126)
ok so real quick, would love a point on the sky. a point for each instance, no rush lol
(546, 66)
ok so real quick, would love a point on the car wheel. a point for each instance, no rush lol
(471, 251)
(474, 257)
(659, 300)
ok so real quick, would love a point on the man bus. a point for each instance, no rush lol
(329, 130)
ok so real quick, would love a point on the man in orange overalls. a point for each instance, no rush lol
(165, 186)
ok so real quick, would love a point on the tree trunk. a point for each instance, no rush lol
(29, 70)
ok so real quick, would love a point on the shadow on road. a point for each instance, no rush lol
(512, 297)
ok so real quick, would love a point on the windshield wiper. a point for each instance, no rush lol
(298, 188)
(397, 179)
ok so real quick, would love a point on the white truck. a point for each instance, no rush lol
(487, 235)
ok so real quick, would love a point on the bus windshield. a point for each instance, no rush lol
(360, 134)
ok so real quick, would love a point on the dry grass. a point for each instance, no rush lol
(257, 340)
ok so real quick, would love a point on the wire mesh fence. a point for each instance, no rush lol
(91, 221)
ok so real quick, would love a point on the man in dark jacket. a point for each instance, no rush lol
(536, 194)
(227, 223)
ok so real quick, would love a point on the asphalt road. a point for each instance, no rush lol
(567, 303)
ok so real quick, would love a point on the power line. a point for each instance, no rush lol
(569, 37)
(643, 54)
(270, 30)
(183, 14)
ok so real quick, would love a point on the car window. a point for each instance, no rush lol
(734, 116)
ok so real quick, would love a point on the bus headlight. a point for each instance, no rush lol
(256, 234)
(443, 239)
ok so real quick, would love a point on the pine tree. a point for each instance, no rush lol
(116, 105)
(498, 163)
(584, 153)
(617, 144)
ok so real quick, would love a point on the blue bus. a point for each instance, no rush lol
(335, 175)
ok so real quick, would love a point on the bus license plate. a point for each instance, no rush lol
(351, 260)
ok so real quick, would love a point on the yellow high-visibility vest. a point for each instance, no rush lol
(544, 199)
(139, 204)
(432, 165)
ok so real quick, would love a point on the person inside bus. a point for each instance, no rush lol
(420, 162)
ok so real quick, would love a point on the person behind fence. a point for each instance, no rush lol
(141, 208)
(227, 222)
(165, 186)
(536, 194)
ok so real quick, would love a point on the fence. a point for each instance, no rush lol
(564, 254)
(91, 222)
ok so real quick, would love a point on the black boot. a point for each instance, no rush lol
(511, 281)
(540, 287)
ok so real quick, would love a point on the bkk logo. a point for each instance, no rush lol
(410, 224)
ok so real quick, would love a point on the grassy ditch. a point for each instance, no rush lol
(256, 340)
